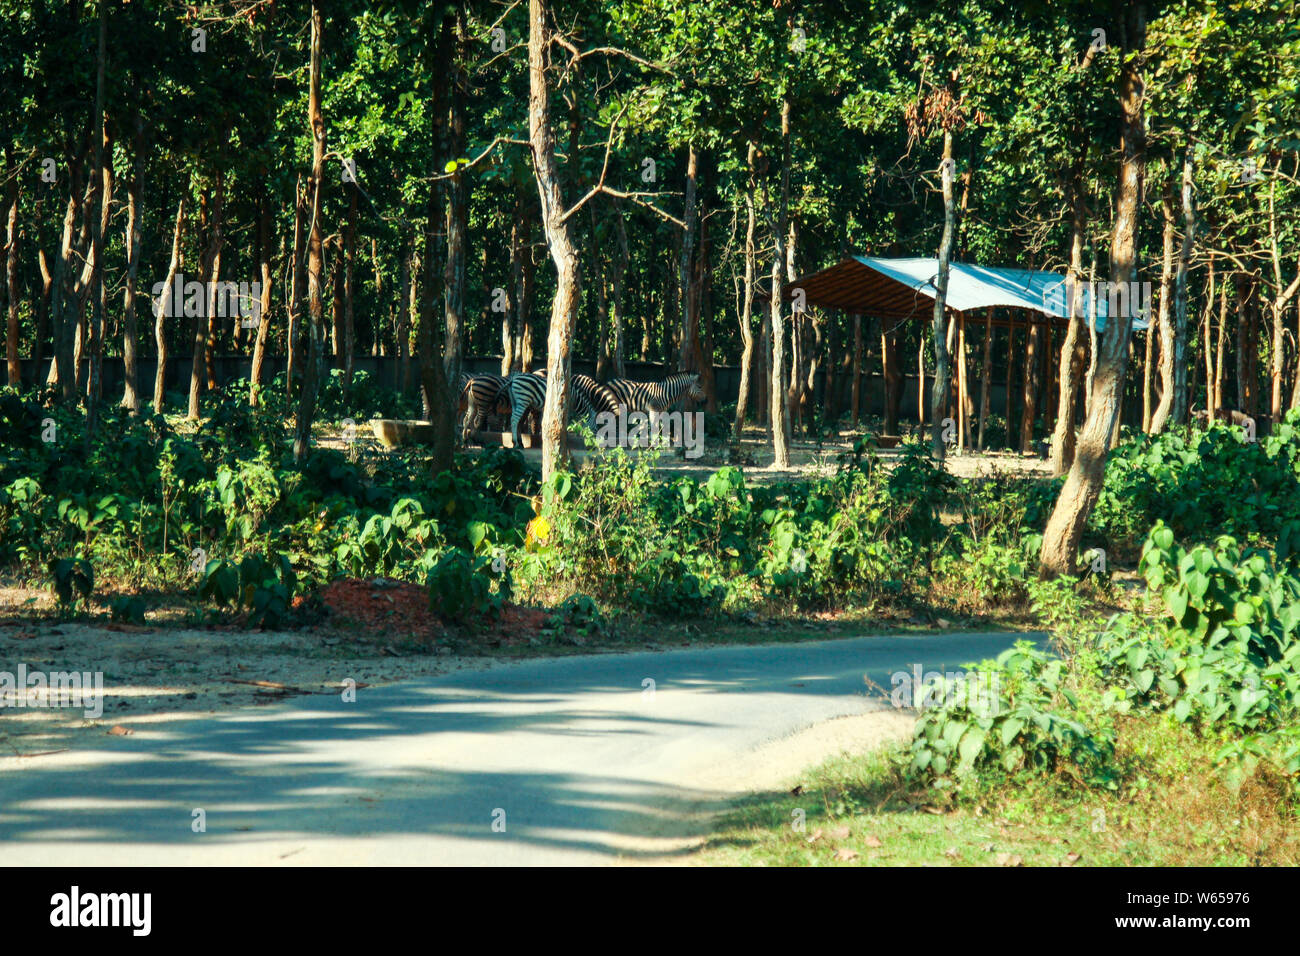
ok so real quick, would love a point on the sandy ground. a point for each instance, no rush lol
(155, 675)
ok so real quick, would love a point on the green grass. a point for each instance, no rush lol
(1173, 809)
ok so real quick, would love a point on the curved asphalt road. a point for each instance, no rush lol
(575, 755)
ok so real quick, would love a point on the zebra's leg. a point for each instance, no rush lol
(471, 415)
(517, 409)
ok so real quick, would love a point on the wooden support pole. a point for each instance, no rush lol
(986, 373)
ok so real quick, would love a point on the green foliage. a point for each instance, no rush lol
(466, 588)
(1029, 721)
(261, 584)
(578, 618)
(1201, 485)
(73, 578)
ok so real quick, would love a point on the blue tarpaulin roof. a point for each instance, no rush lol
(905, 288)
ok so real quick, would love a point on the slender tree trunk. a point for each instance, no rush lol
(621, 261)
(1063, 438)
(1029, 394)
(747, 303)
(941, 371)
(214, 277)
(1221, 349)
(891, 376)
(315, 186)
(406, 308)
(165, 308)
(510, 316)
(264, 303)
(98, 225)
(780, 420)
(14, 367)
(130, 336)
(1060, 547)
(986, 377)
(1168, 357)
(206, 278)
(457, 205)
(1207, 322)
(541, 134)
(297, 283)
(1282, 296)
(349, 316)
(690, 317)
(61, 310)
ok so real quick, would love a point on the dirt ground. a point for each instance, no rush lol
(371, 632)
(754, 454)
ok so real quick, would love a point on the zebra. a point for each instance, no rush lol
(527, 391)
(656, 396)
(479, 394)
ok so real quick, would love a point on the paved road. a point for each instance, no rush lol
(575, 756)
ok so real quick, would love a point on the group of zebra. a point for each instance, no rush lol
(522, 394)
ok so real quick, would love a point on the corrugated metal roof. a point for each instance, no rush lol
(904, 288)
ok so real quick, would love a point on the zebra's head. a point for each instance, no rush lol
(694, 390)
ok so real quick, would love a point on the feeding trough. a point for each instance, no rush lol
(395, 432)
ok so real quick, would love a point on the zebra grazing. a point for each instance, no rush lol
(479, 395)
(656, 396)
(527, 392)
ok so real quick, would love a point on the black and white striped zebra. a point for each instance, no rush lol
(656, 396)
(479, 395)
(528, 392)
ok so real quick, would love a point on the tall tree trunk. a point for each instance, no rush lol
(1207, 324)
(209, 272)
(1179, 406)
(65, 375)
(406, 308)
(564, 253)
(1221, 349)
(214, 277)
(891, 375)
(690, 317)
(510, 316)
(1060, 547)
(315, 186)
(167, 307)
(1029, 394)
(14, 367)
(457, 204)
(297, 283)
(130, 335)
(349, 319)
(1063, 437)
(617, 291)
(264, 304)
(780, 420)
(1168, 351)
(1282, 296)
(939, 392)
(747, 302)
(98, 225)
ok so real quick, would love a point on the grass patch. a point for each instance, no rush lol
(1173, 808)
